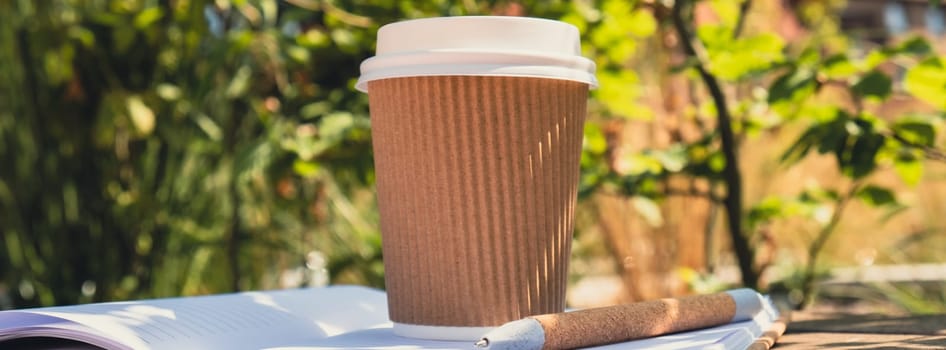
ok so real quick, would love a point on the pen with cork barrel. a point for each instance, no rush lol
(613, 324)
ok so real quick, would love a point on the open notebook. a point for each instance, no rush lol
(337, 317)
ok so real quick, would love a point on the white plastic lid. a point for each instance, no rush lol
(478, 45)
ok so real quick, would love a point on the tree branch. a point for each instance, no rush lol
(741, 20)
(929, 152)
(733, 178)
(814, 250)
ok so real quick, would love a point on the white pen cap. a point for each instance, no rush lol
(748, 303)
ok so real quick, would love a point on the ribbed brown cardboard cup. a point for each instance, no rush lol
(477, 179)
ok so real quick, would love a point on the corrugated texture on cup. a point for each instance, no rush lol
(477, 181)
(478, 45)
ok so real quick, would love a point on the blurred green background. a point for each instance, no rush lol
(155, 148)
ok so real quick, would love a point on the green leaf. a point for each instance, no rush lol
(609, 31)
(817, 195)
(270, 11)
(306, 169)
(876, 196)
(620, 19)
(927, 81)
(717, 162)
(315, 109)
(148, 17)
(335, 125)
(714, 37)
(104, 18)
(83, 35)
(57, 64)
(874, 58)
(768, 209)
(915, 46)
(833, 132)
(809, 57)
(830, 135)
(208, 126)
(838, 67)
(861, 160)
(313, 38)
(733, 60)
(791, 85)
(637, 164)
(649, 210)
(823, 112)
(853, 141)
(168, 92)
(240, 83)
(641, 23)
(619, 92)
(673, 159)
(800, 148)
(873, 84)
(343, 38)
(833, 136)
(594, 141)
(727, 11)
(909, 167)
(577, 20)
(240, 40)
(916, 132)
(621, 51)
(298, 54)
(142, 117)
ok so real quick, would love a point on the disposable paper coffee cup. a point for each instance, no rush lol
(477, 129)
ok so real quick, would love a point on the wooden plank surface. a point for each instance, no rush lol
(825, 340)
(846, 331)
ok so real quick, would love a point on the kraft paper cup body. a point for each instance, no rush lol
(477, 179)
